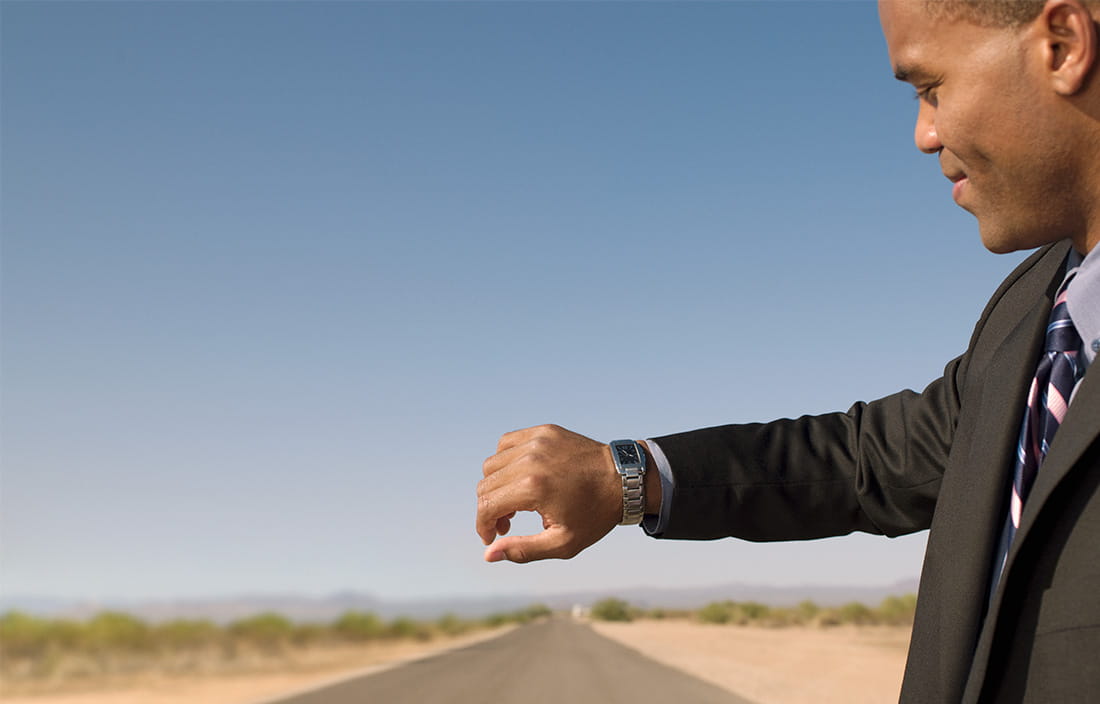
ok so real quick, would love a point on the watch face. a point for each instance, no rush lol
(628, 454)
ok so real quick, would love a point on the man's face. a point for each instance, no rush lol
(984, 111)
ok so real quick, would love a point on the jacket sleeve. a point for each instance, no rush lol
(876, 468)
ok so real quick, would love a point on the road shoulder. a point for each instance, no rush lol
(790, 665)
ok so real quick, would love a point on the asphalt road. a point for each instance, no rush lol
(553, 662)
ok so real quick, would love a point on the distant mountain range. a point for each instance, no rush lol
(325, 608)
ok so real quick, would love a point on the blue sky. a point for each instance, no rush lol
(277, 275)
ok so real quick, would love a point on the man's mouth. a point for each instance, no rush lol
(960, 182)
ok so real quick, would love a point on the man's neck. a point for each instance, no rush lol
(1086, 242)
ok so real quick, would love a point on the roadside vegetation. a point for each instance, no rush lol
(47, 653)
(892, 611)
(34, 650)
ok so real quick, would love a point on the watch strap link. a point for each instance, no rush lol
(629, 457)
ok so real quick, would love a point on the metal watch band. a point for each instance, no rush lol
(629, 457)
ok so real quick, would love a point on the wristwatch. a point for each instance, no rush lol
(629, 460)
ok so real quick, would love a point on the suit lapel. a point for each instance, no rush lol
(1009, 375)
(970, 509)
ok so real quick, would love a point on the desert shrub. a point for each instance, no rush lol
(807, 611)
(741, 613)
(780, 618)
(359, 626)
(612, 609)
(856, 613)
(897, 610)
(113, 631)
(451, 625)
(268, 631)
(304, 635)
(661, 613)
(720, 612)
(538, 611)
(187, 635)
(65, 635)
(23, 635)
(403, 627)
(754, 611)
(524, 615)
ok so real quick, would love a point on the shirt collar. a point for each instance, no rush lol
(1083, 299)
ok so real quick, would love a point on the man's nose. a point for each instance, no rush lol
(928, 141)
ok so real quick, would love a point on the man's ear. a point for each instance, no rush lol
(1069, 44)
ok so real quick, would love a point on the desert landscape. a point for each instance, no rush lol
(795, 664)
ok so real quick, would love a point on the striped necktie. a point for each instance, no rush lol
(1047, 402)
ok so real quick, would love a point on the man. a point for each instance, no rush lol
(1000, 457)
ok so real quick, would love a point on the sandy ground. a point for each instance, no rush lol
(840, 665)
(253, 688)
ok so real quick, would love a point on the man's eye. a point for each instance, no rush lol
(927, 94)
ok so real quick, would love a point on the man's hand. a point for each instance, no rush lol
(570, 480)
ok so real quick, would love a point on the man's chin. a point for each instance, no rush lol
(993, 238)
(1000, 247)
(1001, 241)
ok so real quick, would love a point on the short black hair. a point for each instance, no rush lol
(987, 13)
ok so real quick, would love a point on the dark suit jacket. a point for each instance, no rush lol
(943, 460)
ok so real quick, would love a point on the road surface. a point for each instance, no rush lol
(557, 661)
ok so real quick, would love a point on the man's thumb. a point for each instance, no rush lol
(523, 548)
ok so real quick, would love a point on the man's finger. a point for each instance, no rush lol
(503, 502)
(516, 437)
(509, 474)
(500, 460)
